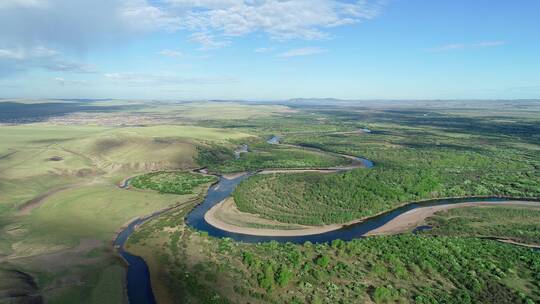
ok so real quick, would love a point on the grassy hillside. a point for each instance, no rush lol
(60, 206)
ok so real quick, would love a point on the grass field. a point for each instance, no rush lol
(70, 234)
(227, 110)
(65, 177)
(31, 150)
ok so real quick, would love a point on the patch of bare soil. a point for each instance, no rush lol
(518, 243)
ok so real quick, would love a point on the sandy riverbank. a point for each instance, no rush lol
(223, 214)
(220, 217)
(233, 175)
(416, 217)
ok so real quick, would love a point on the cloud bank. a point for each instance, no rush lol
(83, 23)
(48, 34)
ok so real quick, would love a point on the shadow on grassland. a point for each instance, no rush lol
(13, 112)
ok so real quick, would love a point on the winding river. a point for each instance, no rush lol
(138, 279)
(139, 287)
(225, 187)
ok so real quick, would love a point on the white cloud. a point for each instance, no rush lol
(449, 47)
(303, 52)
(207, 41)
(60, 65)
(21, 58)
(23, 4)
(64, 82)
(263, 50)
(461, 46)
(160, 80)
(80, 23)
(141, 15)
(22, 53)
(281, 19)
(171, 53)
(29, 28)
(203, 3)
(489, 43)
(11, 54)
(41, 52)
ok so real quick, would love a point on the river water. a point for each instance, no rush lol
(225, 187)
(139, 287)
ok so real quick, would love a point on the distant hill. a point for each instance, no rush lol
(437, 103)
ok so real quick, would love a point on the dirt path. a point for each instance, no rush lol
(37, 201)
(518, 244)
(416, 217)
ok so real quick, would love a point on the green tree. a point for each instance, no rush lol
(323, 261)
(383, 294)
(266, 280)
(284, 275)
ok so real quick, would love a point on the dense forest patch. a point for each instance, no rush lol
(404, 269)
(265, 156)
(171, 182)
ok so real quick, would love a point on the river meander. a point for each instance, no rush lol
(138, 279)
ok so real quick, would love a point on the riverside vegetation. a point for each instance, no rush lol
(194, 268)
(419, 154)
(415, 160)
(518, 224)
(262, 155)
(171, 182)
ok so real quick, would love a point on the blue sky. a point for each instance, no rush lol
(270, 49)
